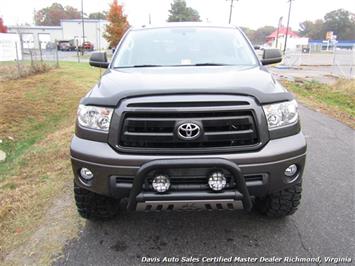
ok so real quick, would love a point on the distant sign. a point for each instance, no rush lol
(8, 43)
(329, 35)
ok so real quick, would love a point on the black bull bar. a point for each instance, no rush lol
(240, 192)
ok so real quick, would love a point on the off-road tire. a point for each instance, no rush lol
(93, 206)
(282, 203)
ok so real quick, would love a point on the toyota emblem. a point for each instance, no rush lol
(189, 131)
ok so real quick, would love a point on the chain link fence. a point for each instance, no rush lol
(17, 61)
(48, 56)
(338, 62)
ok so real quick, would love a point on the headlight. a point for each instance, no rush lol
(95, 117)
(281, 114)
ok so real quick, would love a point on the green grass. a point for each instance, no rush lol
(337, 99)
(46, 101)
(36, 124)
(15, 148)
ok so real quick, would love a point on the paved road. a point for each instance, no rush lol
(323, 226)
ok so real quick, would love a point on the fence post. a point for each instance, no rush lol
(300, 57)
(352, 63)
(17, 62)
(56, 57)
(40, 50)
(77, 50)
(31, 57)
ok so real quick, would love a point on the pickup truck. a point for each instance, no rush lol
(186, 117)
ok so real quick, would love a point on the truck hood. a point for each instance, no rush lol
(117, 84)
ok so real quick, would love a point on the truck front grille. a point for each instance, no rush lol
(157, 130)
(150, 124)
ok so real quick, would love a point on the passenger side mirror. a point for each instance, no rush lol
(271, 56)
(99, 60)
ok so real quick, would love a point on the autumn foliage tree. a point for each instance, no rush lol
(3, 28)
(51, 16)
(117, 24)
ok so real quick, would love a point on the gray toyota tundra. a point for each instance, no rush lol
(186, 117)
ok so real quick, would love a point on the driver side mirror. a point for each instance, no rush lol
(271, 56)
(99, 60)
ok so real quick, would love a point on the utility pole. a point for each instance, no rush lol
(231, 11)
(288, 23)
(278, 30)
(83, 27)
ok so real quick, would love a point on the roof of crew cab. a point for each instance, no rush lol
(183, 25)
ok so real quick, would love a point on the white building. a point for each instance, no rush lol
(69, 29)
(10, 49)
(31, 36)
(93, 28)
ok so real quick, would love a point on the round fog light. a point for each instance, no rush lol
(161, 183)
(291, 170)
(86, 174)
(217, 181)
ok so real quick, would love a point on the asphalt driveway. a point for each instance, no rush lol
(323, 226)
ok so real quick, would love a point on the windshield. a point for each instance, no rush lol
(184, 46)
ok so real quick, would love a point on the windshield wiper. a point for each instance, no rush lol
(133, 66)
(211, 64)
(184, 65)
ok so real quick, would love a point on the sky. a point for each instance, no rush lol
(248, 13)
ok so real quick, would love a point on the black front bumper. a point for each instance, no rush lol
(108, 165)
(239, 193)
